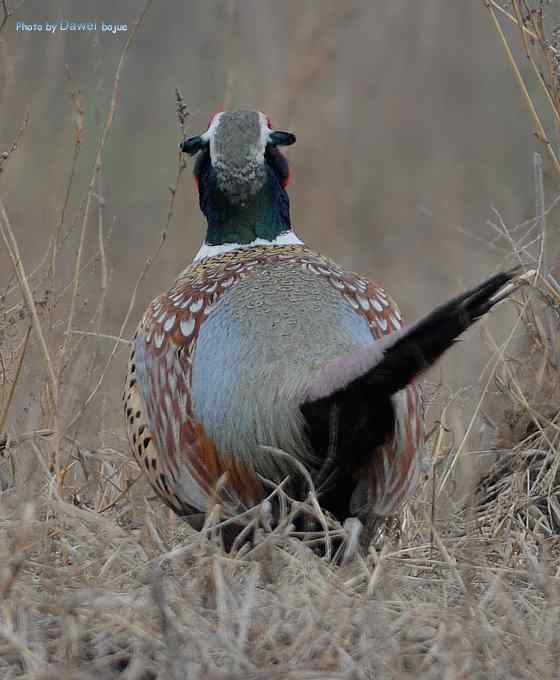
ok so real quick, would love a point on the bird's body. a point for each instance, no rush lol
(265, 356)
(223, 361)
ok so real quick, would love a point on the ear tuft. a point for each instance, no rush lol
(192, 145)
(278, 138)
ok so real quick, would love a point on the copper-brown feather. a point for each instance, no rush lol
(188, 463)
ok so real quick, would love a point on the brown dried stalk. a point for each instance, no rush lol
(536, 33)
(13, 251)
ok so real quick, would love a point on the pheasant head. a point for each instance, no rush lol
(242, 178)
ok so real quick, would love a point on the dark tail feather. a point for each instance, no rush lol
(424, 343)
(364, 407)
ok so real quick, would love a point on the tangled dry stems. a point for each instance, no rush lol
(98, 580)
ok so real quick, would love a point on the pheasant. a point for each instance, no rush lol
(266, 358)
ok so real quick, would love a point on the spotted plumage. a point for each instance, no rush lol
(262, 342)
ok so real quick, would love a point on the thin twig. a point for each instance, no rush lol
(540, 131)
(78, 130)
(15, 379)
(182, 116)
(124, 323)
(129, 484)
(498, 359)
(531, 60)
(5, 155)
(92, 185)
(95, 334)
(539, 213)
(13, 251)
(7, 12)
(97, 169)
(526, 30)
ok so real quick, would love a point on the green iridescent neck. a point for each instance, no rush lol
(265, 215)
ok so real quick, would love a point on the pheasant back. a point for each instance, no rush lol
(220, 368)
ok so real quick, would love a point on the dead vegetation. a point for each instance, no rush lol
(99, 580)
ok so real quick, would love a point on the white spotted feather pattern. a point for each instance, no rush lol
(183, 462)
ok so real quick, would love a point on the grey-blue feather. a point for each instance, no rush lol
(256, 354)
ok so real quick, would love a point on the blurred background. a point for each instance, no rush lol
(411, 132)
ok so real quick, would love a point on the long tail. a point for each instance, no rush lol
(425, 342)
(359, 387)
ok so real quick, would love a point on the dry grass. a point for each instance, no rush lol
(99, 580)
(541, 50)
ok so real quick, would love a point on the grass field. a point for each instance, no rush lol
(99, 580)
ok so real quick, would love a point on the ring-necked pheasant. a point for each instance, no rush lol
(263, 342)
